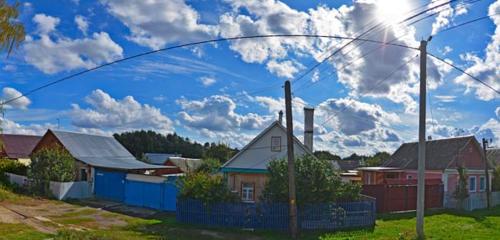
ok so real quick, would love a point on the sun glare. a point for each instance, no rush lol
(392, 11)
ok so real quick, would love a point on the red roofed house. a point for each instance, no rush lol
(18, 147)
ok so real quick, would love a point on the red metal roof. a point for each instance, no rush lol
(18, 146)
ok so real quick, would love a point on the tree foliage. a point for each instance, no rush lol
(140, 142)
(205, 187)
(50, 164)
(377, 159)
(495, 184)
(11, 32)
(461, 192)
(316, 182)
(209, 165)
(326, 155)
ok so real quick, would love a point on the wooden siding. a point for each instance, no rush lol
(259, 180)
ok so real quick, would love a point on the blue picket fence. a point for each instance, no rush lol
(327, 216)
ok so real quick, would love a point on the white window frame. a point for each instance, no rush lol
(275, 143)
(483, 178)
(248, 192)
(470, 185)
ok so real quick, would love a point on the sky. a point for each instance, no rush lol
(365, 96)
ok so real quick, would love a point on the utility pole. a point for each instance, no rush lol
(421, 141)
(487, 174)
(291, 163)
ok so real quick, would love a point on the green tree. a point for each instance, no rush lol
(495, 184)
(461, 192)
(219, 151)
(50, 164)
(326, 155)
(316, 182)
(209, 165)
(205, 187)
(11, 32)
(377, 159)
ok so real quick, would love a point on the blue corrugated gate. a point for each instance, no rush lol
(161, 196)
(109, 185)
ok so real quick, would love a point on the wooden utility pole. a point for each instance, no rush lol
(487, 174)
(421, 142)
(291, 163)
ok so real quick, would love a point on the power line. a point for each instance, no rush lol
(464, 72)
(465, 23)
(182, 46)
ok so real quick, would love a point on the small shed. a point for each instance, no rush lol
(18, 147)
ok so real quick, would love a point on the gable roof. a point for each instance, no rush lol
(100, 151)
(346, 165)
(159, 158)
(263, 161)
(440, 154)
(18, 146)
(186, 164)
(493, 155)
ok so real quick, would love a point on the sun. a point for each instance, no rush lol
(392, 11)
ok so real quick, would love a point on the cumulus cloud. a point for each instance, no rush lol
(286, 69)
(106, 112)
(10, 93)
(155, 23)
(207, 81)
(488, 68)
(82, 23)
(9, 126)
(217, 114)
(445, 15)
(51, 52)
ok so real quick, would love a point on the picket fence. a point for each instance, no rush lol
(325, 216)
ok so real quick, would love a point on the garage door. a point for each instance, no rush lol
(110, 185)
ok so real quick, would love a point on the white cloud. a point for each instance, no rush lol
(446, 98)
(207, 81)
(10, 93)
(155, 23)
(217, 114)
(486, 69)
(286, 69)
(82, 23)
(497, 112)
(109, 113)
(12, 127)
(9, 68)
(51, 52)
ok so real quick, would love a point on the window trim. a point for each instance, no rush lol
(275, 148)
(475, 184)
(253, 192)
(484, 179)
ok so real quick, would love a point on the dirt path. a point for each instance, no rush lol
(8, 215)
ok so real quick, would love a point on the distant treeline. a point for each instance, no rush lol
(140, 142)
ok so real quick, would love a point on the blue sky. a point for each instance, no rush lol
(230, 91)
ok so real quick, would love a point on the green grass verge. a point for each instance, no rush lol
(20, 232)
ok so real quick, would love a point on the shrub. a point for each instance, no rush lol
(495, 185)
(11, 166)
(316, 182)
(50, 164)
(209, 165)
(205, 187)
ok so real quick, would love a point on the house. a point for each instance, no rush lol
(246, 172)
(348, 168)
(443, 158)
(179, 164)
(99, 160)
(18, 147)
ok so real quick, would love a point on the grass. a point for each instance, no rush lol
(19, 232)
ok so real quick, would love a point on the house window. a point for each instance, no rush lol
(83, 174)
(276, 144)
(391, 175)
(247, 192)
(472, 184)
(409, 177)
(482, 183)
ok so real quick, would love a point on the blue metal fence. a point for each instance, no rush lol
(160, 196)
(330, 216)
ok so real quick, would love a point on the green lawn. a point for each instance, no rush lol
(439, 224)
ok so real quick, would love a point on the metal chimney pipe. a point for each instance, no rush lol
(281, 117)
(308, 127)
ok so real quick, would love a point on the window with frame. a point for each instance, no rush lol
(247, 192)
(482, 183)
(472, 184)
(83, 174)
(409, 177)
(276, 144)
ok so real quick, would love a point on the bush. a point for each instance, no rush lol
(11, 166)
(316, 182)
(495, 184)
(205, 187)
(50, 164)
(209, 165)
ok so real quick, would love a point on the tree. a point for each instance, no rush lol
(219, 151)
(11, 32)
(461, 192)
(316, 182)
(495, 185)
(50, 164)
(377, 159)
(326, 155)
(205, 187)
(209, 165)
